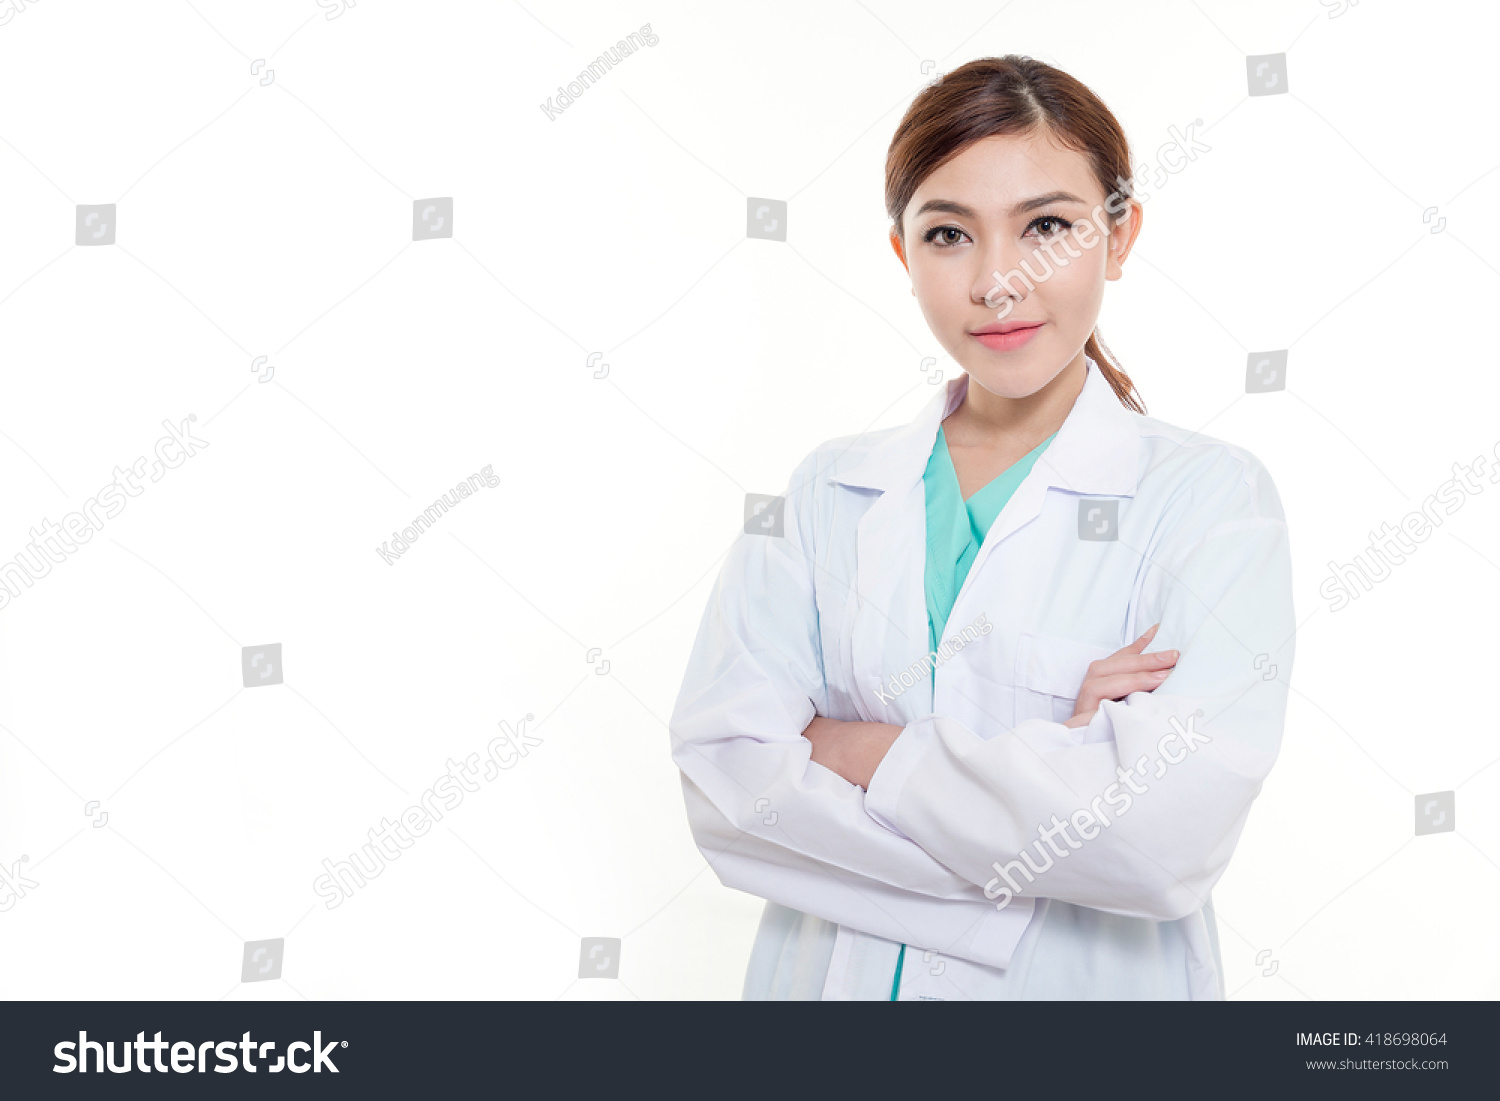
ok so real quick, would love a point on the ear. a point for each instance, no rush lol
(900, 253)
(1122, 239)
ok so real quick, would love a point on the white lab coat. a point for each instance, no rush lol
(817, 621)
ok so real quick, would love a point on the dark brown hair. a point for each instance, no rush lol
(1011, 95)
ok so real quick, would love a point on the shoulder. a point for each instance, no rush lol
(832, 458)
(1196, 472)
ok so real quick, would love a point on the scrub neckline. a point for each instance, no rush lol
(1023, 464)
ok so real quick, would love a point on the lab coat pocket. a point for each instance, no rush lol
(1049, 674)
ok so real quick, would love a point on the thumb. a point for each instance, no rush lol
(1141, 643)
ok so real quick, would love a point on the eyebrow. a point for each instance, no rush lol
(949, 206)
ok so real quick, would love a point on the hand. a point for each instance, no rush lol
(1125, 671)
(853, 750)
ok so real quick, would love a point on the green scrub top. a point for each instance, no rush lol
(955, 531)
(956, 528)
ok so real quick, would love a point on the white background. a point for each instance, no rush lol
(275, 220)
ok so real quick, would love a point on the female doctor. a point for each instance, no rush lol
(923, 721)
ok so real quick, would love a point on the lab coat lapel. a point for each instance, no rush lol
(890, 623)
(1095, 452)
(890, 627)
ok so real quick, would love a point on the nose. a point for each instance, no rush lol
(995, 278)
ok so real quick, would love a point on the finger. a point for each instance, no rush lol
(1147, 663)
(1141, 643)
(1120, 685)
(1123, 662)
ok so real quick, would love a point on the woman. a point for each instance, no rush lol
(922, 722)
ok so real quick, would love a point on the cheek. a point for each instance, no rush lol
(934, 276)
(1080, 285)
(942, 290)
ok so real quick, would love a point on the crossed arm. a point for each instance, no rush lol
(897, 830)
(854, 750)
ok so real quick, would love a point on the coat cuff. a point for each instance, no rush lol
(884, 792)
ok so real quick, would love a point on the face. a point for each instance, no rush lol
(1002, 203)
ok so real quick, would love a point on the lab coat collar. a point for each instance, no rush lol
(1096, 449)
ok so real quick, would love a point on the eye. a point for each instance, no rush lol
(1060, 225)
(946, 242)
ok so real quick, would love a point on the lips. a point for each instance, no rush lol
(1007, 336)
(1005, 327)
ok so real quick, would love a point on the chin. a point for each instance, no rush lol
(1009, 382)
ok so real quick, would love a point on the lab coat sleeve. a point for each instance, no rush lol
(768, 819)
(1143, 807)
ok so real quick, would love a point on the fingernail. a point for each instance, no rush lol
(1161, 674)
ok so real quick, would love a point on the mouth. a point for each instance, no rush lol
(1007, 336)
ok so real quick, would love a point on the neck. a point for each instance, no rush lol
(986, 418)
